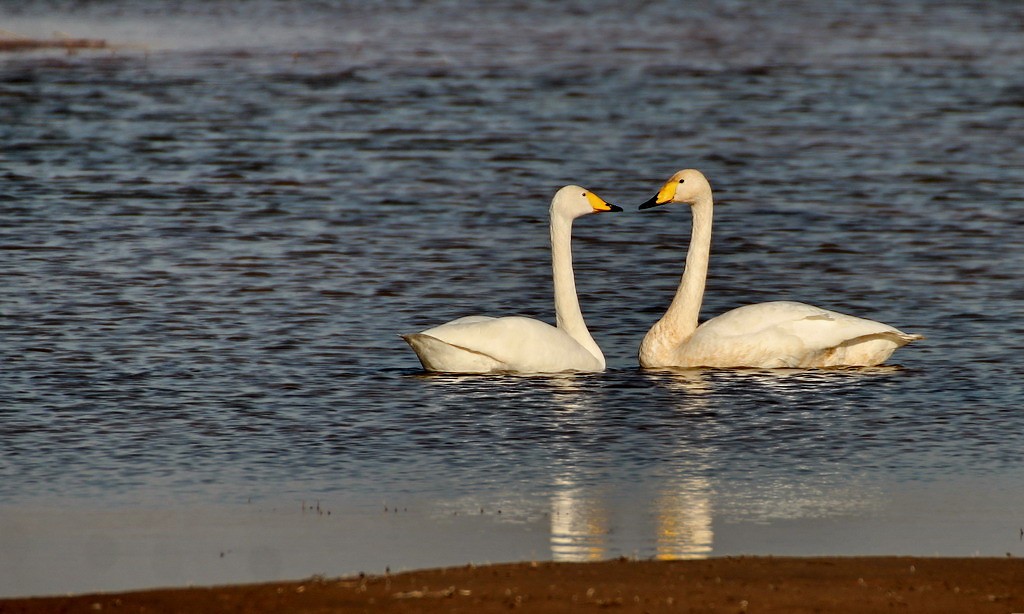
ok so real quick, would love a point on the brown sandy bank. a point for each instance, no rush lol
(734, 584)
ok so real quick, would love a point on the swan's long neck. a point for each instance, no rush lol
(680, 320)
(568, 316)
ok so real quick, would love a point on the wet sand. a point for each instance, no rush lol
(734, 584)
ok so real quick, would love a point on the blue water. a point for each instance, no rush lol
(212, 235)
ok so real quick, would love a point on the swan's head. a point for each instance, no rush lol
(687, 186)
(573, 201)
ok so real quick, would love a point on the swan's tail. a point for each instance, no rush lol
(905, 338)
(422, 345)
(436, 355)
(898, 337)
(868, 350)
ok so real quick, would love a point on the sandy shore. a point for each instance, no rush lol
(734, 584)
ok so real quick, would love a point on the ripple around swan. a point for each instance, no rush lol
(209, 248)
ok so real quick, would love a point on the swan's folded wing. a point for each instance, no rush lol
(822, 329)
(785, 333)
(816, 326)
(518, 343)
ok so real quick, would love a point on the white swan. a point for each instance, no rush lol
(481, 344)
(765, 335)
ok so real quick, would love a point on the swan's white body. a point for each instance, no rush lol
(764, 335)
(482, 344)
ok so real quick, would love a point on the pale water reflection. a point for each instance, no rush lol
(672, 521)
(579, 524)
(684, 521)
(595, 525)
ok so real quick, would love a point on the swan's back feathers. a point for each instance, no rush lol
(480, 344)
(816, 325)
(790, 334)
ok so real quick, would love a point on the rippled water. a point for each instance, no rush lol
(211, 239)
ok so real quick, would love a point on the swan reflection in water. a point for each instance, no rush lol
(643, 481)
(590, 523)
(670, 512)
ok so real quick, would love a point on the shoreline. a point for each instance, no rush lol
(727, 584)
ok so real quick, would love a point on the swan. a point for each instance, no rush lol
(482, 344)
(764, 335)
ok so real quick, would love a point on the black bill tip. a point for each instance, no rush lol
(651, 203)
(612, 207)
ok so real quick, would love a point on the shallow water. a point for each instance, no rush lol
(210, 241)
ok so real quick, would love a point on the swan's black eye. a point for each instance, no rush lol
(583, 194)
(682, 181)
